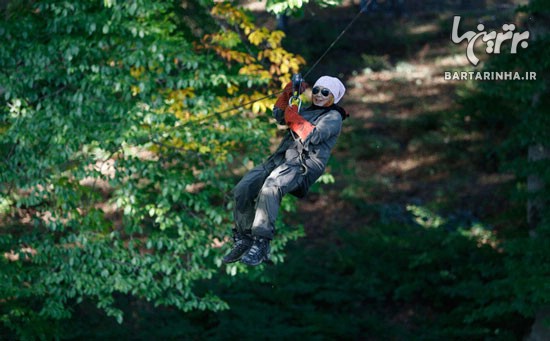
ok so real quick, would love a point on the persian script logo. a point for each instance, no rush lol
(493, 40)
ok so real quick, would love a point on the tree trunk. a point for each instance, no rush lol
(534, 184)
(540, 331)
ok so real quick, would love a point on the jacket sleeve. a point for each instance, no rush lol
(328, 126)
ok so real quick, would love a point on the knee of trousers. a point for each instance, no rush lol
(244, 196)
(241, 200)
(271, 192)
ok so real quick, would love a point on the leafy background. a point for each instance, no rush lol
(119, 153)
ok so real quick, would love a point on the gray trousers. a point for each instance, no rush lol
(258, 196)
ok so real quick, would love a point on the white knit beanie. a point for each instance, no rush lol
(334, 85)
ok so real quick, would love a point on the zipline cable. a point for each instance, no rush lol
(363, 10)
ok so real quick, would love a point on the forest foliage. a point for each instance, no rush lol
(119, 149)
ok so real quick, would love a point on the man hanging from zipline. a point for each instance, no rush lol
(297, 163)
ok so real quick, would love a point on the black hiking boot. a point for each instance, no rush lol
(258, 253)
(242, 243)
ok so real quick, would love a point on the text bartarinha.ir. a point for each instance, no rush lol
(489, 76)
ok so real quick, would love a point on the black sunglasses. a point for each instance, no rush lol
(325, 92)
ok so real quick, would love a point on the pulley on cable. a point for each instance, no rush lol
(296, 89)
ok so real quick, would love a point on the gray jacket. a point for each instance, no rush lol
(313, 153)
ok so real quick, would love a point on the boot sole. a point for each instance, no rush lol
(265, 260)
(233, 260)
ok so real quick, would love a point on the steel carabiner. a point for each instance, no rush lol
(292, 98)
